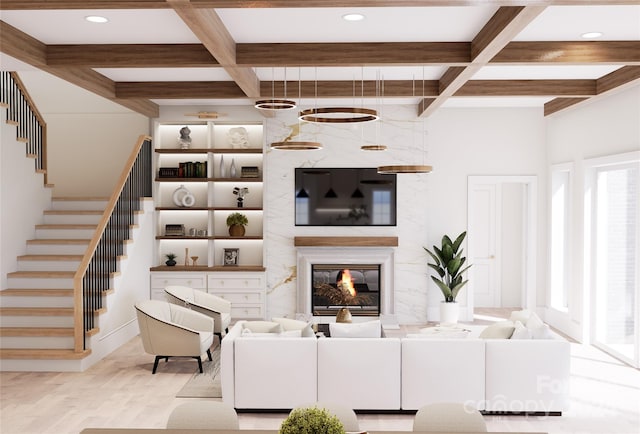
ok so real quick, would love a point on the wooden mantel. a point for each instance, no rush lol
(345, 241)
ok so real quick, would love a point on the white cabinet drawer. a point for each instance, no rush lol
(240, 282)
(241, 296)
(160, 281)
(246, 312)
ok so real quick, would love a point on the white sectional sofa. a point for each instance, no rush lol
(263, 371)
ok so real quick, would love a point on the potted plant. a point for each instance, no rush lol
(171, 259)
(311, 420)
(448, 264)
(236, 222)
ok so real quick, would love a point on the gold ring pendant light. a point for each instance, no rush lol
(408, 168)
(290, 145)
(338, 115)
(274, 103)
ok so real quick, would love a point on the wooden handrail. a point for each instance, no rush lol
(42, 146)
(95, 240)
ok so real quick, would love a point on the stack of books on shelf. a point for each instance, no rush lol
(189, 169)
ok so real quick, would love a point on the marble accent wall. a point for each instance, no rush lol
(405, 138)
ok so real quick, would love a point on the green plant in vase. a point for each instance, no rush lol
(311, 420)
(448, 263)
(236, 223)
(171, 259)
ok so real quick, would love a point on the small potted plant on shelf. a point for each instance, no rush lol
(171, 259)
(311, 420)
(448, 264)
(236, 222)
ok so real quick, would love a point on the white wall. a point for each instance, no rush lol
(23, 197)
(605, 127)
(83, 127)
(459, 143)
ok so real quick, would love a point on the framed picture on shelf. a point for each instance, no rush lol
(231, 257)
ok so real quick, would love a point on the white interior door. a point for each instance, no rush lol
(484, 243)
(502, 221)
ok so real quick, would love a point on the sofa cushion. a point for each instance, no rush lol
(499, 330)
(368, 329)
(289, 324)
(262, 327)
(520, 331)
(520, 315)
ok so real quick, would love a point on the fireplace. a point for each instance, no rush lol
(373, 257)
(356, 286)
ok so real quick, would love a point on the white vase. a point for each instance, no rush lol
(449, 313)
(232, 170)
(222, 172)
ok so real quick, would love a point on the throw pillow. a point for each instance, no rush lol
(534, 321)
(520, 331)
(542, 332)
(520, 315)
(368, 329)
(499, 330)
(262, 327)
(291, 334)
(294, 324)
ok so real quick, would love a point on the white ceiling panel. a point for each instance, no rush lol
(165, 74)
(131, 26)
(564, 23)
(544, 72)
(451, 24)
(352, 73)
(469, 102)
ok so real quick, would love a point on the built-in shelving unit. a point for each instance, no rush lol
(214, 149)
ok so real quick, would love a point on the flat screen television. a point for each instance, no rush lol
(344, 197)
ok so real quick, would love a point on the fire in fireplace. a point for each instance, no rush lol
(354, 286)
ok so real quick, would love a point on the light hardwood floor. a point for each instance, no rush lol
(120, 391)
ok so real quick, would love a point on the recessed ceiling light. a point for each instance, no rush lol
(591, 35)
(353, 17)
(96, 19)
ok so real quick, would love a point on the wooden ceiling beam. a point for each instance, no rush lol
(353, 54)
(572, 52)
(347, 88)
(210, 30)
(615, 81)
(25, 48)
(355, 90)
(501, 28)
(179, 89)
(130, 55)
(571, 88)
(162, 4)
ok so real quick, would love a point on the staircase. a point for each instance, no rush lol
(36, 309)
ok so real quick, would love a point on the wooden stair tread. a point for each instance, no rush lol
(36, 311)
(72, 212)
(66, 226)
(43, 274)
(36, 331)
(59, 241)
(79, 198)
(37, 292)
(42, 354)
(50, 258)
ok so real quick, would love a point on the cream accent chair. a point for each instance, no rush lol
(346, 415)
(168, 330)
(211, 305)
(448, 417)
(203, 415)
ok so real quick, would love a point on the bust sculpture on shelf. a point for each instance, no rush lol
(185, 138)
(241, 192)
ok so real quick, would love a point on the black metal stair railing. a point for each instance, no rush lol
(31, 126)
(94, 275)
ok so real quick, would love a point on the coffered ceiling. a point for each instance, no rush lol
(429, 53)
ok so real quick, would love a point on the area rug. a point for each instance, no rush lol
(207, 384)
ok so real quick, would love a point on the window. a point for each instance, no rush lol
(559, 243)
(614, 206)
(381, 207)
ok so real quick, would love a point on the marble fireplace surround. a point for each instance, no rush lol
(345, 250)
